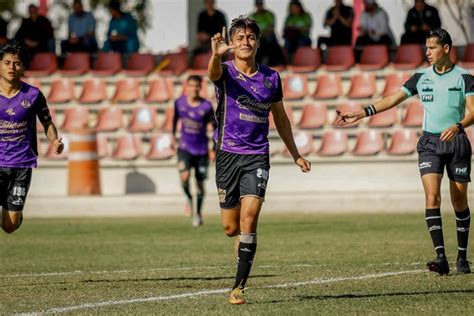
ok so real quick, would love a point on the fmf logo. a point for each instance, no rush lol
(427, 98)
(461, 170)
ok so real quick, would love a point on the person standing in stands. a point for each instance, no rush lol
(421, 19)
(339, 18)
(210, 22)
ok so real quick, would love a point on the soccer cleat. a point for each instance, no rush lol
(439, 265)
(236, 297)
(197, 220)
(462, 266)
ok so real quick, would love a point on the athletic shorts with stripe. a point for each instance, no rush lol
(14, 186)
(187, 161)
(239, 175)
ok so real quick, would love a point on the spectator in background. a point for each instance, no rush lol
(210, 22)
(421, 19)
(122, 35)
(339, 18)
(81, 26)
(374, 26)
(36, 33)
(297, 27)
(3, 32)
(269, 52)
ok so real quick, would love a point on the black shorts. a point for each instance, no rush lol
(239, 175)
(434, 155)
(200, 163)
(14, 186)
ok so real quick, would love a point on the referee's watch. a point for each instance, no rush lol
(460, 127)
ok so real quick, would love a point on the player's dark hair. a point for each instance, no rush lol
(243, 23)
(196, 78)
(115, 5)
(442, 35)
(15, 49)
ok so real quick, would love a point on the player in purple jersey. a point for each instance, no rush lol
(246, 93)
(20, 104)
(195, 113)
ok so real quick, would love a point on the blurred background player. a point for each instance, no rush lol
(194, 113)
(246, 93)
(20, 104)
(445, 90)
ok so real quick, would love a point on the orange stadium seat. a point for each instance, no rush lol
(43, 64)
(363, 86)
(160, 147)
(160, 90)
(468, 58)
(374, 57)
(384, 119)
(173, 64)
(403, 142)
(393, 83)
(414, 113)
(289, 113)
(339, 58)
(75, 118)
(110, 119)
(167, 124)
(307, 59)
(295, 87)
(76, 64)
(107, 64)
(94, 91)
(143, 119)
(314, 115)
(369, 143)
(102, 146)
(329, 86)
(334, 143)
(350, 107)
(199, 64)
(140, 64)
(127, 91)
(62, 91)
(128, 147)
(409, 56)
(304, 142)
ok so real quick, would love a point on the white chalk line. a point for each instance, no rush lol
(217, 291)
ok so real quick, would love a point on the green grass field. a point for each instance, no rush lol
(305, 264)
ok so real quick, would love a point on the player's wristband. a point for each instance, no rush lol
(460, 127)
(370, 110)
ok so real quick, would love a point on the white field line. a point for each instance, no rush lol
(217, 291)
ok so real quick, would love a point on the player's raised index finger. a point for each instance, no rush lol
(224, 32)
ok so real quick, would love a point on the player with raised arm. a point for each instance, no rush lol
(20, 104)
(246, 93)
(445, 91)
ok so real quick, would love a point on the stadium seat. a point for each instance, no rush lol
(403, 142)
(128, 147)
(314, 115)
(363, 86)
(62, 91)
(76, 64)
(102, 146)
(369, 143)
(127, 91)
(374, 57)
(334, 143)
(349, 107)
(339, 58)
(143, 119)
(160, 147)
(384, 119)
(329, 86)
(199, 64)
(160, 90)
(454, 54)
(304, 142)
(94, 91)
(414, 113)
(107, 64)
(110, 119)
(306, 59)
(140, 65)
(42, 65)
(295, 87)
(167, 123)
(393, 83)
(289, 113)
(468, 58)
(173, 64)
(75, 118)
(409, 56)
(202, 93)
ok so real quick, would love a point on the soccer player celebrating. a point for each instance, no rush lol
(20, 104)
(445, 90)
(246, 93)
(194, 113)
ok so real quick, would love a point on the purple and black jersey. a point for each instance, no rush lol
(194, 120)
(244, 103)
(18, 143)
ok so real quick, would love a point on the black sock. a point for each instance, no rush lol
(246, 254)
(463, 221)
(435, 227)
(185, 186)
(200, 199)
